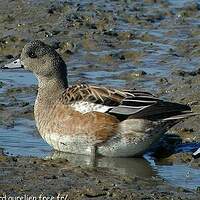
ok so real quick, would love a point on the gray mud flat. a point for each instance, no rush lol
(47, 178)
(151, 45)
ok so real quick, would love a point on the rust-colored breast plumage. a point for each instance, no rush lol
(95, 126)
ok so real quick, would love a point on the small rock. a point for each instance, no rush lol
(126, 36)
(14, 159)
(138, 73)
(9, 56)
(111, 33)
(1, 84)
(67, 47)
(94, 192)
(184, 73)
(54, 177)
(163, 80)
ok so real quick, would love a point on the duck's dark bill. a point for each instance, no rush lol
(13, 65)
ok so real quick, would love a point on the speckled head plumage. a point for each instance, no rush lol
(43, 60)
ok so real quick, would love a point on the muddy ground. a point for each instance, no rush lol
(128, 38)
(35, 177)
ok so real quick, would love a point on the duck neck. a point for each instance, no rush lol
(49, 89)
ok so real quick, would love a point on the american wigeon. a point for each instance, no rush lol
(93, 120)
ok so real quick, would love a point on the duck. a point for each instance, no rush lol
(94, 120)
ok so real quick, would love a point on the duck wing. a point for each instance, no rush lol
(123, 103)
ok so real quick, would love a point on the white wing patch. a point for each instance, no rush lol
(85, 107)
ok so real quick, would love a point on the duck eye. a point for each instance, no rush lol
(32, 55)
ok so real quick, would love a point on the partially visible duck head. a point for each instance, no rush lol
(43, 61)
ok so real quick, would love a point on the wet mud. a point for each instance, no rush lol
(33, 177)
(151, 45)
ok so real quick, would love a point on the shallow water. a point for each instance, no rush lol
(177, 175)
(23, 139)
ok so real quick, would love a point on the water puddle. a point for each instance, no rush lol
(23, 139)
(177, 175)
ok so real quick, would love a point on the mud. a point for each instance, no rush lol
(152, 45)
(52, 178)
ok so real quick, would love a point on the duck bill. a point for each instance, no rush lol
(16, 64)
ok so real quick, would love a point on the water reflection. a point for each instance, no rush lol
(124, 166)
(147, 167)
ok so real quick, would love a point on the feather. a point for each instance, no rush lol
(123, 103)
